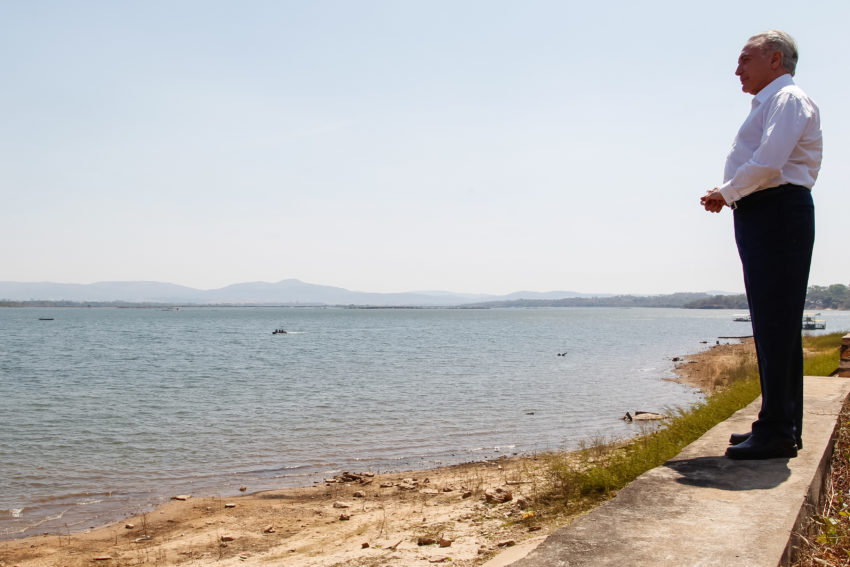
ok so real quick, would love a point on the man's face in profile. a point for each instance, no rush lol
(757, 67)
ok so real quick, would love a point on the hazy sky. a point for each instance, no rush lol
(471, 146)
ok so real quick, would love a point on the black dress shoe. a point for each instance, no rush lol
(755, 449)
(738, 438)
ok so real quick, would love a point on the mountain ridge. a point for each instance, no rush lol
(285, 292)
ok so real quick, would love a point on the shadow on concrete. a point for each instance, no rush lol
(726, 474)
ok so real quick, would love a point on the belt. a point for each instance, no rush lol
(765, 194)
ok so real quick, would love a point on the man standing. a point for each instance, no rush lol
(770, 171)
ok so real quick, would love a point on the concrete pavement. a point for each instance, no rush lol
(701, 509)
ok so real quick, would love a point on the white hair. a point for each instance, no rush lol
(776, 40)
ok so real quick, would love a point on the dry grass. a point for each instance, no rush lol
(719, 367)
(827, 538)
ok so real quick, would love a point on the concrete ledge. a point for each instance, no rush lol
(702, 509)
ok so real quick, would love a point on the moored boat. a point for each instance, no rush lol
(812, 324)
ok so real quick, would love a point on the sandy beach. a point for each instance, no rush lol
(463, 515)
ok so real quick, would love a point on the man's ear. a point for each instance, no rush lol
(776, 60)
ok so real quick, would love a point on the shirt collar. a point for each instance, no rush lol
(772, 88)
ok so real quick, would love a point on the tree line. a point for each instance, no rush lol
(835, 296)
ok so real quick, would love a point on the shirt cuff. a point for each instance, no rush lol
(729, 194)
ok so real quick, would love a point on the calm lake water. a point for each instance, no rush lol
(106, 412)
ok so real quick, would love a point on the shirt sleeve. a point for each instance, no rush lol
(785, 120)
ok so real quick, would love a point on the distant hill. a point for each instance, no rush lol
(298, 293)
(152, 292)
(286, 292)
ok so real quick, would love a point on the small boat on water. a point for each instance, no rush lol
(279, 332)
(812, 324)
(45, 318)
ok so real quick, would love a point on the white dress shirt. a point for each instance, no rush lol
(780, 142)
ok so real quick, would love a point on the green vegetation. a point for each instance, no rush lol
(836, 296)
(822, 353)
(827, 542)
(599, 471)
(579, 482)
(720, 302)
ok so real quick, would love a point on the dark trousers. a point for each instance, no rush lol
(775, 233)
